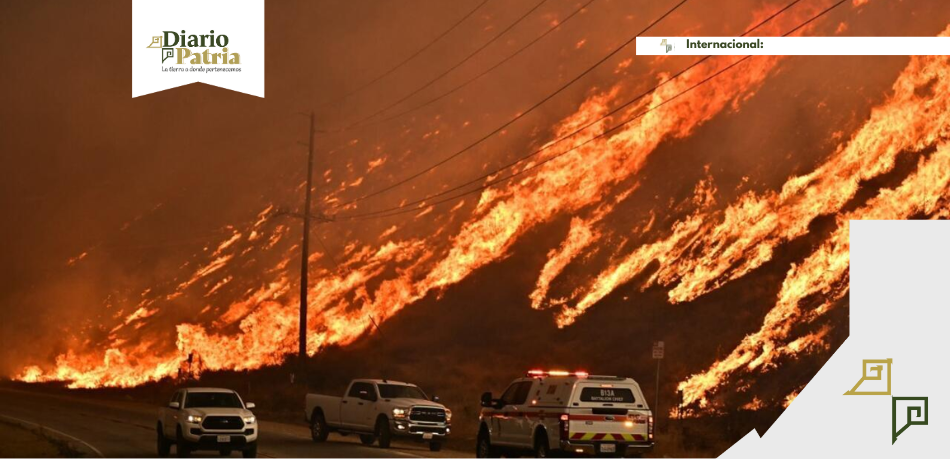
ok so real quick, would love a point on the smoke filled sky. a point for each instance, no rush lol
(117, 209)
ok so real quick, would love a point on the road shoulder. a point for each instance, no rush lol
(17, 441)
(21, 438)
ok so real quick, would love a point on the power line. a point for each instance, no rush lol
(513, 120)
(582, 128)
(402, 209)
(330, 255)
(483, 73)
(490, 183)
(446, 72)
(407, 59)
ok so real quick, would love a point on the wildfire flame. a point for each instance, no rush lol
(586, 178)
(907, 123)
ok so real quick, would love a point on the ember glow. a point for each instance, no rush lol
(581, 190)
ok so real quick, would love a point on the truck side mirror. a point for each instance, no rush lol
(250, 405)
(435, 398)
(174, 405)
(487, 400)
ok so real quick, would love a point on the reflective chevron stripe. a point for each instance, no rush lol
(594, 436)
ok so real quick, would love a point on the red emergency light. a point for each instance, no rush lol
(545, 373)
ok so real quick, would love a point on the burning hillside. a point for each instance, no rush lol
(613, 223)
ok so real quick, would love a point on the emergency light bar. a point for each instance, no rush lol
(543, 373)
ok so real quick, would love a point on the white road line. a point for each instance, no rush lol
(291, 433)
(403, 454)
(54, 431)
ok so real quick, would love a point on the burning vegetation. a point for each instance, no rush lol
(578, 191)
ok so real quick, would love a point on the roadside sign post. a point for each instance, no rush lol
(658, 350)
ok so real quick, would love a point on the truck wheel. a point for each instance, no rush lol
(164, 446)
(541, 445)
(367, 439)
(181, 446)
(483, 447)
(250, 451)
(318, 427)
(383, 433)
(435, 446)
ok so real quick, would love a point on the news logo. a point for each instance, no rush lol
(219, 43)
(876, 371)
(667, 46)
(876, 380)
(917, 414)
(170, 42)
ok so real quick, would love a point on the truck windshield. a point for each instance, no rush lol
(213, 400)
(399, 391)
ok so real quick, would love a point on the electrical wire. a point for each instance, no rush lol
(403, 209)
(407, 59)
(585, 127)
(438, 77)
(469, 81)
(513, 120)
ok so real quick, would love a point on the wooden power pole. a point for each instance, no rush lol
(305, 245)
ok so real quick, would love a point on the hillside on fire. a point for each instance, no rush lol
(497, 187)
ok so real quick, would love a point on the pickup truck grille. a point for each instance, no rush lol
(223, 423)
(427, 429)
(424, 414)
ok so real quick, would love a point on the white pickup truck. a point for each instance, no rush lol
(204, 418)
(378, 409)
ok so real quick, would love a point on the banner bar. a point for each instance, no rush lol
(793, 46)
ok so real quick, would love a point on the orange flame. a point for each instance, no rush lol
(906, 122)
(732, 242)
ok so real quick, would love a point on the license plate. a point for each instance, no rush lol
(224, 439)
(427, 436)
(608, 448)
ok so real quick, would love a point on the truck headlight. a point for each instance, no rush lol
(400, 413)
(194, 419)
(448, 415)
(250, 419)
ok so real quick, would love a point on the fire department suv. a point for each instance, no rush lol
(575, 413)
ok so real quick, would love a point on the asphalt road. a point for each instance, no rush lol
(127, 429)
(20, 441)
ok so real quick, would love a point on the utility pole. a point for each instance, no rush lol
(308, 217)
(305, 246)
(657, 394)
(659, 348)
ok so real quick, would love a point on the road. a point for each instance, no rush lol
(127, 429)
(16, 441)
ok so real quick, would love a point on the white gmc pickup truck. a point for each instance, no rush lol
(377, 409)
